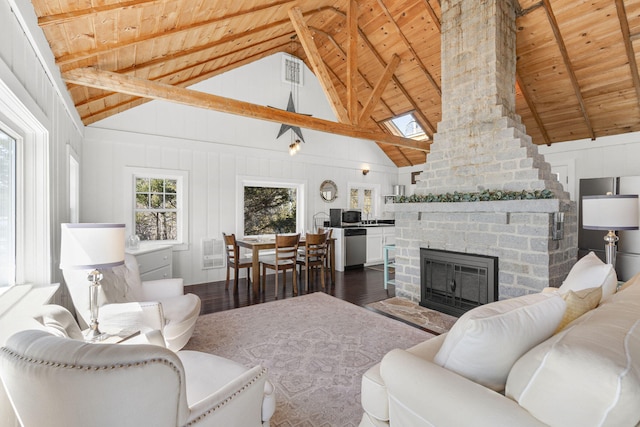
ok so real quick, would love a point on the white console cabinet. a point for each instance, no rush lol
(154, 262)
(377, 238)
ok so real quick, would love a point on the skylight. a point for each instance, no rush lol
(407, 126)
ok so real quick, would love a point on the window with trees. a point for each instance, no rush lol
(159, 205)
(364, 198)
(272, 208)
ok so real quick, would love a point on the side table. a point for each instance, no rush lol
(388, 264)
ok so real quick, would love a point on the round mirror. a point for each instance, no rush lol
(328, 191)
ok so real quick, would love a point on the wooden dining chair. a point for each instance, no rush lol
(315, 253)
(235, 260)
(327, 257)
(284, 259)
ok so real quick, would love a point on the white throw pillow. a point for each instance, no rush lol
(591, 272)
(485, 342)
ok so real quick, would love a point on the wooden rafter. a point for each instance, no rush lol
(317, 64)
(173, 77)
(532, 108)
(419, 62)
(568, 66)
(62, 18)
(352, 61)
(107, 80)
(343, 55)
(626, 37)
(380, 87)
(424, 122)
(90, 53)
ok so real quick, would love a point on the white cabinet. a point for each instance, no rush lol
(377, 238)
(374, 245)
(154, 262)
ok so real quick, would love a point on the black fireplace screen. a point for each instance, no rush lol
(455, 282)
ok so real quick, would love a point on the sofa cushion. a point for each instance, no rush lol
(591, 272)
(578, 303)
(485, 342)
(591, 370)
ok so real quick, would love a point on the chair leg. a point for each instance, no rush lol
(322, 274)
(236, 270)
(226, 283)
(295, 282)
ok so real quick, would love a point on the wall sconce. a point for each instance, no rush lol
(365, 171)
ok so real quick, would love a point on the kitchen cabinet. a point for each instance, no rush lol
(377, 238)
(154, 262)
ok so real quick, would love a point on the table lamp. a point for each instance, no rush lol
(86, 246)
(610, 213)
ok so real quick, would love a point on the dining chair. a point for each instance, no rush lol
(235, 260)
(327, 257)
(284, 259)
(315, 252)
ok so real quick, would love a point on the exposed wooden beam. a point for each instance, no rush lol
(107, 80)
(533, 109)
(524, 12)
(424, 122)
(175, 74)
(626, 37)
(61, 18)
(568, 66)
(352, 61)
(407, 43)
(90, 53)
(343, 55)
(319, 68)
(380, 87)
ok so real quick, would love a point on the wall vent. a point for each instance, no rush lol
(212, 253)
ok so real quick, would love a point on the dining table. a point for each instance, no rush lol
(257, 244)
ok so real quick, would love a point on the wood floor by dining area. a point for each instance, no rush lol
(359, 286)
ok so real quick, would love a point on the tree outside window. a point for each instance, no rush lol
(362, 198)
(156, 208)
(269, 210)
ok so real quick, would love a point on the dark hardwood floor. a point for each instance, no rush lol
(358, 286)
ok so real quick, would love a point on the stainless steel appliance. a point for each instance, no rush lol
(355, 246)
(351, 217)
(628, 254)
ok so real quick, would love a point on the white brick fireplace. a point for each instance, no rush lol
(481, 144)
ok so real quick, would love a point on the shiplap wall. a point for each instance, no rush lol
(23, 70)
(216, 148)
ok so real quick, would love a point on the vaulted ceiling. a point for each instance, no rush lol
(577, 73)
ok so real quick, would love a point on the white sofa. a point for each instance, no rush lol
(584, 373)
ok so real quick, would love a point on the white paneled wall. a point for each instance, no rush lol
(216, 149)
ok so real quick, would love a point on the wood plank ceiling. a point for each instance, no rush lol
(577, 74)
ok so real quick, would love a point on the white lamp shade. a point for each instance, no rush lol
(87, 246)
(611, 212)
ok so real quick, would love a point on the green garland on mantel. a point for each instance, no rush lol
(482, 196)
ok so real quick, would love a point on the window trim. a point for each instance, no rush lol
(247, 181)
(375, 197)
(35, 255)
(182, 177)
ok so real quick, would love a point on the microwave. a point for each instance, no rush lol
(351, 217)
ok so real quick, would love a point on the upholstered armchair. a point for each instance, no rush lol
(127, 302)
(61, 382)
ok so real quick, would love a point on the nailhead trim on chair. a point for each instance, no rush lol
(228, 399)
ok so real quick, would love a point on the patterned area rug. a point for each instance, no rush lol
(316, 348)
(408, 311)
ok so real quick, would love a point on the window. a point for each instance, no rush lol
(406, 126)
(159, 205)
(270, 208)
(7, 209)
(364, 198)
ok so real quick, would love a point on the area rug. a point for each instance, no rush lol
(408, 311)
(316, 348)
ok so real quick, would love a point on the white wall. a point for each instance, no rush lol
(606, 156)
(215, 148)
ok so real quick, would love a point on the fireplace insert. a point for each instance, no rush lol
(455, 282)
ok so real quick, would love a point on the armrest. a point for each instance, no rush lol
(237, 403)
(162, 288)
(150, 337)
(131, 315)
(423, 393)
